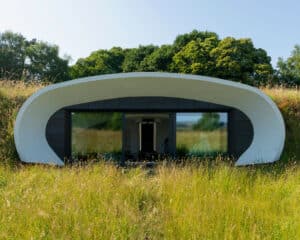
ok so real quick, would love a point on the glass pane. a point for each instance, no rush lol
(96, 135)
(200, 134)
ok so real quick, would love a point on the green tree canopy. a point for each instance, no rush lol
(99, 62)
(30, 59)
(44, 63)
(239, 60)
(195, 57)
(159, 60)
(183, 39)
(135, 56)
(289, 69)
(12, 55)
(197, 52)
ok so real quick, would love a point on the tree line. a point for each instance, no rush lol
(197, 52)
(22, 59)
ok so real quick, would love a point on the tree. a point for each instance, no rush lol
(45, 64)
(237, 59)
(263, 71)
(289, 69)
(159, 60)
(24, 59)
(230, 58)
(183, 39)
(99, 62)
(135, 56)
(208, 122)
(195, 57)
(12, 55)
(197, 52)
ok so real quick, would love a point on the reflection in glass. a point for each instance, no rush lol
(201, 134)
(96, 135)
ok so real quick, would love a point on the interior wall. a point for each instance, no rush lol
(58, 133)
(131, 137)
(240, 133)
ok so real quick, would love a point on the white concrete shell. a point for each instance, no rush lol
(268, 124)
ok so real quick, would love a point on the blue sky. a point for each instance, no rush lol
(82, 26)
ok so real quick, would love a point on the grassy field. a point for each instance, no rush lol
(210, 201)
(207, 200)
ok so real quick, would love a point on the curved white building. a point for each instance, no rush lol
(256, 130)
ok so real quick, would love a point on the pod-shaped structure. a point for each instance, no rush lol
(266, 119)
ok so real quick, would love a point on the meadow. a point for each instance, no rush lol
(208, 199)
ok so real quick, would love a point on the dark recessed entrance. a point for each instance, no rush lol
(147, 136)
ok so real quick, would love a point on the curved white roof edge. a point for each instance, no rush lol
(267, 121)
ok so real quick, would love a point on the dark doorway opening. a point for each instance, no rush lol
(147, 137)
(147, 140)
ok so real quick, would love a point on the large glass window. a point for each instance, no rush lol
(201, 134)
(96, 135)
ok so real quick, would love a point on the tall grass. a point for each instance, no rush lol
(191, 202)
(288, 101)
(12, 95)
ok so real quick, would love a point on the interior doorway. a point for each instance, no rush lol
(147, 138)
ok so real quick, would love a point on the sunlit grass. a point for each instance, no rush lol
(288, 101)
(210, 201)
(281, 94)
(13, 89)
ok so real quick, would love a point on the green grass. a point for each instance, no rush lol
(208, 200)
(288, 101)
(202, 141)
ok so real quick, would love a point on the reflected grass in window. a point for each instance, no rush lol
(201, 134)
(96, 135)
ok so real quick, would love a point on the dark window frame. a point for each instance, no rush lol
(68, 122)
